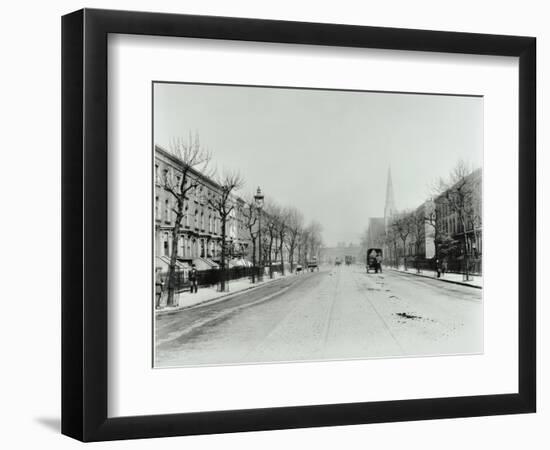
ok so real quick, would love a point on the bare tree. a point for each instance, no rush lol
(224, 204)
(432, 219)
(403, 225)
(311, 241)
(317, 239)
(391, 240)
(294, 228)
(459, 194)
(418, 231)
(271, 226)
(192, 156)
(303, 245)
(283, 230)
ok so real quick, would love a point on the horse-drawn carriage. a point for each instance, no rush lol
(374, 260)
(312, 264)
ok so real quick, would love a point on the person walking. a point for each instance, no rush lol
(159, 286)
(379, 263)
(193, 279)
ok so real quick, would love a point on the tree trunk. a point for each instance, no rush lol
(465, 249)
(282, 259)
(222, 259)
(291, 250)
(276, 251)
(253, 260)
(466, 258)
(270, 260)
(173, 260)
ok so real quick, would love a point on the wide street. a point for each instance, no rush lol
(336, 313)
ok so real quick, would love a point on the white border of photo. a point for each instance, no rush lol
(135, 388)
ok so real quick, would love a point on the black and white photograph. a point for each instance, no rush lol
(268, 225)
(295, 224)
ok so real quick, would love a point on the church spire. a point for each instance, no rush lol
(389, 208)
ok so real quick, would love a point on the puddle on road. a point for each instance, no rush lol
(409, 317)
(405, 315)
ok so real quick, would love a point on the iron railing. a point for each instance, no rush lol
(209, 277)
(471, 265)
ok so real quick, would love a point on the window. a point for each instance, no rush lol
(157, 208)
(157, 174)
(187, 215)
(165, 245)
(166, 210)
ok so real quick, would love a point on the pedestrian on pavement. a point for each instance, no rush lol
(193, 279)
(444, 266)
(159, 286)
(438, 268)
(379, 263)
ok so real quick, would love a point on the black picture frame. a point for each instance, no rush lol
(84, 224)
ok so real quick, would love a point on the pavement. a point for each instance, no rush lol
(475, 281)
(337, 313)
(186, 299)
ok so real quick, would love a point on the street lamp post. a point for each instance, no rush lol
(259, 200)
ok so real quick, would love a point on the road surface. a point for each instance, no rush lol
(336, 313)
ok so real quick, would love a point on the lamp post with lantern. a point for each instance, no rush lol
(259, 201)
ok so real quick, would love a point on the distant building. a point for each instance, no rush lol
(378, 226)
(389, 205)
(376, 232)
(328, 255)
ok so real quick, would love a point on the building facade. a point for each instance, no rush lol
(448, 226)
(329, 255)
(378, 227)
(421, 242)
(376, 233)
(459, 218)
(200, 237)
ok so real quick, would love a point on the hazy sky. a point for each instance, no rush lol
(326, 152)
